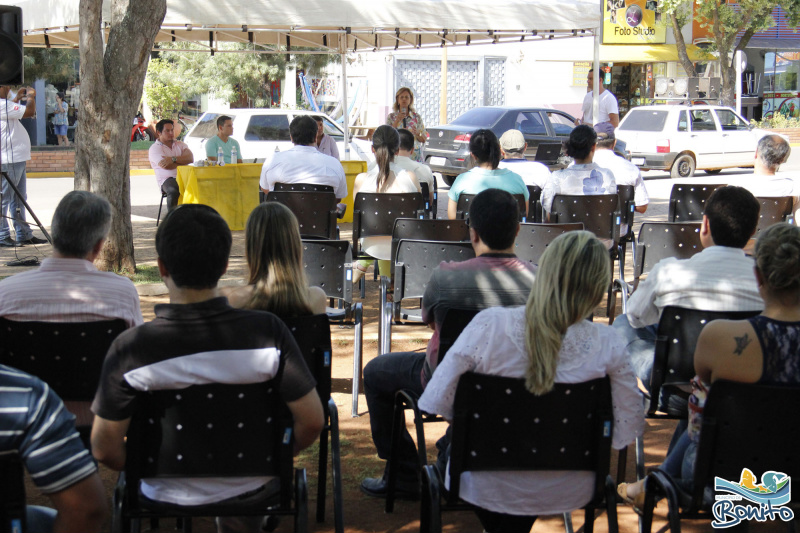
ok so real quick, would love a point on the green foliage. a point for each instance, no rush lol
(681, 8)
(778, 120)
(141, 145)
(162, 94)
(144, 274)
(56, 65)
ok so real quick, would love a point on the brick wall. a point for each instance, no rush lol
(792, 133)
(57, 160)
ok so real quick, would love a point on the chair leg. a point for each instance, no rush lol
(300, 501)
(639, 458)
(611, 505)
(568, 522)
(336, 469)
(588, 522)
(358, 314)
(322, 474)
(430, 512)
(160, 205)
(622, 464)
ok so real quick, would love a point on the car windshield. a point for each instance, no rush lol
(644, 120)
(268, 128)
(480, 116)
(329, 128)
(206, 127)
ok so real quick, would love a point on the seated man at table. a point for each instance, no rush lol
(198, 330)
(165, 156)
(223, 140)
(303, 163)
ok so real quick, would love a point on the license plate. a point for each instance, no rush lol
(438, 161)
(637, 161)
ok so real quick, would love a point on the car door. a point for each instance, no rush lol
(561, 125)
(739, 143)
(706, 138)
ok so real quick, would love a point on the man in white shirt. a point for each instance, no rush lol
(609, 109)
(16, 152)
(165, 156)
(772, 151)
(513, 146)
(719, 278)
(404, 160)
(303, 163)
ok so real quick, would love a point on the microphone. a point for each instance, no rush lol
(405, 112)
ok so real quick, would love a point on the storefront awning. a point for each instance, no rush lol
(775, 44)
(649, 53)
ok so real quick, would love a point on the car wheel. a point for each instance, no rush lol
(713, 171)
(683, 167)
(449, 178)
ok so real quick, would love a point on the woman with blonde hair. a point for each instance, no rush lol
(404, 116)
(726, 348)
(274, 253)
(385, 177)
(549, 340)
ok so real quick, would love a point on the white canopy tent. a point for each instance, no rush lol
(338, 26)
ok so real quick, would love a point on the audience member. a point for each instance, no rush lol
(35, 426)
(485, 151)
(303, 163)
(405, 161)
(166, 155)
(199, 329)
(325, 142)
(513, 147)
(548, 341)
(719, 278)
(725, 349)
(584, 177)
(223, 140)
(495, 277)
(274, 252)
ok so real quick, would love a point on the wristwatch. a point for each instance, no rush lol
(174, 159)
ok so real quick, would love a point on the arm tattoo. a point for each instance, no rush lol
(741, 343)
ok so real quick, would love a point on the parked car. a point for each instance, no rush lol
(685, 138)
(262, 132)
(447, 149)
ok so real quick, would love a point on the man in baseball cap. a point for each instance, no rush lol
(513, 146)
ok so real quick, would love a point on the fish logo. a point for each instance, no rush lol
(770, 496)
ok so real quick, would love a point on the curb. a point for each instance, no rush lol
(65, 174)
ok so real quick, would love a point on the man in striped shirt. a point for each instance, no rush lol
(35, 426)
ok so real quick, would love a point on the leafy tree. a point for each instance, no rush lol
(56, 65)
(161, 92)
(679, 13)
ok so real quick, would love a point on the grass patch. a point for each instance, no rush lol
(141, 145)
(144, 274)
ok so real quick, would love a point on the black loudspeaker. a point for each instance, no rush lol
(11, 45)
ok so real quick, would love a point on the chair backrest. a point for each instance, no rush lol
(375, 213)
(68, 356)
(599, 213)
(329, 265)
(12, 495)
(455, 320)
(464, 199)
(676, 340)
(304, 187)
(686, 202)
(534, 203)
(532, 239)
(626, 194)
(212, 430)
(773, 210)
(428, 230)
(659, 240)
(416, 260)
(746, 425)
(315, 211)
(499, 425)
(313, 336)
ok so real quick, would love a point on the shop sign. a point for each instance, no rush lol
(633, 22)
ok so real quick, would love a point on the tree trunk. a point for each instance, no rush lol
(111, 89)
(680, 44)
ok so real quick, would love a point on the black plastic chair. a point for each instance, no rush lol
(686, 202)
(374, 214)
(534, 204)
(532, 239)
(302, 187)
(313, 336)
(744, 426)
(627, 206)
(315, 212)
(210, 430)
(68, 356)
(462, 209)
(774, 210)
(455, 320)
(494, 413)
(329, 265)
(12, 495)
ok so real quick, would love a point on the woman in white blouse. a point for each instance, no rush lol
(547, 341)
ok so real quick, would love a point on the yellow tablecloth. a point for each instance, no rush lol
(231, 189)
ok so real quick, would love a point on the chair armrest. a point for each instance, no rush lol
(399, 281)
(341, 209)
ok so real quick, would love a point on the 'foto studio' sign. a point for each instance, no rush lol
(633, 22)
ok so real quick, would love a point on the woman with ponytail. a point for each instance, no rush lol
(484, 148)
(385, 177)
(549, 340)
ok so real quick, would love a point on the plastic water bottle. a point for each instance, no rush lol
(220, 157)
(234, 156)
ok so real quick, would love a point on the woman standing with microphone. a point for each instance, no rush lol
(404, 116)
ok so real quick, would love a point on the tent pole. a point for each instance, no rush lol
(443, 89)
(345, 111)
(598, 38)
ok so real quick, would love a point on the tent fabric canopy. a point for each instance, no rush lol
(374, 25)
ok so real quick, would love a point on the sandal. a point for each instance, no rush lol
(637, 503)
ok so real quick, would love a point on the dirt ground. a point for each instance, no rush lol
(362, 513)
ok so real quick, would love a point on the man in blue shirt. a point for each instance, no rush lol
(223, 140)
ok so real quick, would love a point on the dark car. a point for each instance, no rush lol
(447, 149)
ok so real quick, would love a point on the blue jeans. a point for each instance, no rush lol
(11, 202)
(679, 463)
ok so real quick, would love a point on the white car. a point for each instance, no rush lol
(262, 132)
(685, 138)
